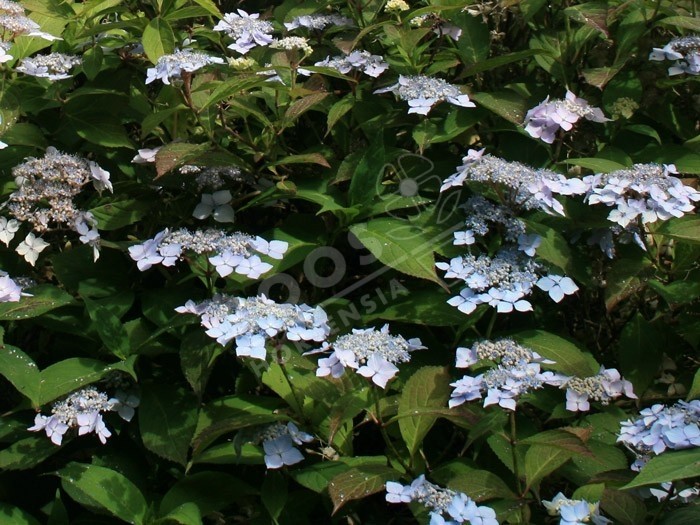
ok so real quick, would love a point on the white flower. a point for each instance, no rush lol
(10, 291)
(378, 369)
(280, 451)
(146, 155)
(215, 204)
(226, 262)
(274, 249)
(251, 346)
(8, 230)
(557, 286)
(31, 247)
(100, 177)
(253, 267)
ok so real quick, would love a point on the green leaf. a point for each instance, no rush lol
(167, 420)
(694, 392)
(683, 22)
(25, 134)
(358, 483)
(185, 514)
(677, 292)
(596, 165)
(27, 453)
(197, 355)
(401, 246)
(104, 489)
(304, 104)
(303, 158)
(207, 491)
(474, 44)
(506, 104)
(480, 485)
(176, 154)
(366, 181)
(542, 460)
(210, 6)
(44, 299)
(623, 507)
(274, 494)
(568, 358)
(109, 327)
(682, 516)
(638, 352)
(566, 439)
(92, 61)
(339, 109)
(428, 387)
(16, 516)
(555, 250)
(20, 370)
(685, 229)
(120, 213)
(419, 306)
(71, 374)
(669, 466)
(502, 60)
(158, 39)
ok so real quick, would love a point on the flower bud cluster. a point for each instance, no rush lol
(359, 60)
(248, 31)
(575, 511)
(517, 372)
(370, 352)
(44, 198)
(544, 120)
(644, 191)
(422, 93)
(482, 214)
(317, 22)
(686, 53)
(447, 506)
(278, 442)
(171, 67)
(54, 66)
(660, 428)
(603, 387)
(290, 43)
(213, 177)
(14, 23)
(232, 251)
(525, 187)
(83, 410)
(254, 320)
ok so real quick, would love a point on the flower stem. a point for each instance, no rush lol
(385, 435)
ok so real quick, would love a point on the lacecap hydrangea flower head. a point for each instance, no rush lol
(423, 92)
(517, 371)
(228, 252)
(685, 51)
(575, 511)
(447, 507)
(544, 120)
(372, 353)
(253, 321)
(82, 410)
(660, 428)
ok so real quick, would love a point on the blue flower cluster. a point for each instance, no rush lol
(661, 428)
